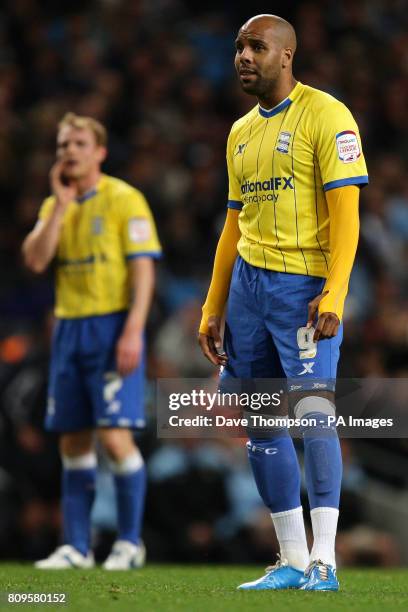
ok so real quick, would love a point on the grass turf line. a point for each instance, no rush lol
(193, 588)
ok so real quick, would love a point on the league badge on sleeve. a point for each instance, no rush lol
(139, 229)
(348, 147)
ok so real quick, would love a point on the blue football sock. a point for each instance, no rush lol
(130, 498)
(323, 462)
(276, 470)
(78, 492)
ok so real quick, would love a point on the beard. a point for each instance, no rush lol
(260, 87)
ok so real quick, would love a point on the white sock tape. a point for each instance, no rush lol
(82, 462)
(130, 464)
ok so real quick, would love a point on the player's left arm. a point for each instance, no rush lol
(338, 151)
(141, 247)
(129, 347)
(342, 205)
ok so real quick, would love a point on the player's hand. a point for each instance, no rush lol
(129, 350)
(328, 322)
(63, 192)
(211, 343)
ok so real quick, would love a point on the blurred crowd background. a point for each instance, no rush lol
(159, 74)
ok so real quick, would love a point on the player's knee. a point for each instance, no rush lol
(117, 443)
(76, 444)
(316, 414)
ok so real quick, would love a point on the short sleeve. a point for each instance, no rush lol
(139, 235)
(46, 208)
(234, 189)
(338, 148)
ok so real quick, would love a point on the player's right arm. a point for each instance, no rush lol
(209, 336)
(41, 244)
(209, 332)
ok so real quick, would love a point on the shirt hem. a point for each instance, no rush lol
(91, 316)
(313, 272)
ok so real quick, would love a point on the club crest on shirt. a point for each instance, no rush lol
(283, 142)
(97, 226)
(348, 148)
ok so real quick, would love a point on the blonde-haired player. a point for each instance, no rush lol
(101, 234)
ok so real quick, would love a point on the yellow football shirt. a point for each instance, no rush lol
(280, 163)
(100, 232)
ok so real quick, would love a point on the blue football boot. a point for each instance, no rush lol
(320, 577)
(277, 577)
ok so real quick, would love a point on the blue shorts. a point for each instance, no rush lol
(85, 390)
(265, 333)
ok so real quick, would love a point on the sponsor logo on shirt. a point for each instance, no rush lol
(348, 148)
(256, 192)
(273, 184)
(79, 263)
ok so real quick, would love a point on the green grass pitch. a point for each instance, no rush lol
(193, 588)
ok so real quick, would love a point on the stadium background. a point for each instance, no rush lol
(159, 75)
